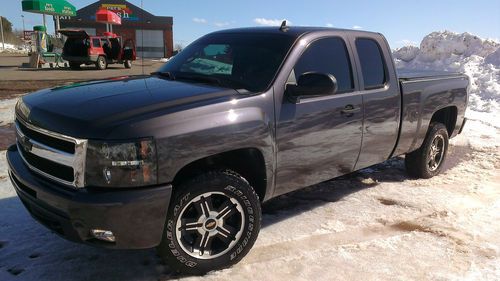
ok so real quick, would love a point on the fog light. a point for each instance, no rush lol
(104, 235)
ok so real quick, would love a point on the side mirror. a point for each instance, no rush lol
(312, 84)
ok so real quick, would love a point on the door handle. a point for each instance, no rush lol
(349, 110)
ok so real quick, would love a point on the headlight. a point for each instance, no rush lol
(121, 164)
(22, 109)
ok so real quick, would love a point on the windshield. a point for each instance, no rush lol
(240, 61)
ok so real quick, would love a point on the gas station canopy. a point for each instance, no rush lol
(106, 16)
(49, 7)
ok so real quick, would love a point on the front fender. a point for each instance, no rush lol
(208, 135)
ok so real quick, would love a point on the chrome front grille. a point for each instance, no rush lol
(55, 156)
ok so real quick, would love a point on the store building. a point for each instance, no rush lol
(153, 35)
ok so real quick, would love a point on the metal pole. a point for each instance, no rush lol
(44, 21)
(24, 29)
(1, 28)
(58, 26)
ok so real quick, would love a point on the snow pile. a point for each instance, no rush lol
(7, 111)
(10, 48)
(467, 53)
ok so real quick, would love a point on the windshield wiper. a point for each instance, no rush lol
(166, 74)
(199, 78)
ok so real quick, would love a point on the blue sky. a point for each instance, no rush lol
(401, 21)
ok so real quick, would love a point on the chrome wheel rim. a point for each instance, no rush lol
(436, 153)
(102, 63)
(210, 225)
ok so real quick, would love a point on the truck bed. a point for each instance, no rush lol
(424, 93)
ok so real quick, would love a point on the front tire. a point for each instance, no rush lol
(428, 160)
(212, 222)
(101, 63)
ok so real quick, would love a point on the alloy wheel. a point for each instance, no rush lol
(436, 153)
(210, 225)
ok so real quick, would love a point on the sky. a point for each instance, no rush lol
(402, 22)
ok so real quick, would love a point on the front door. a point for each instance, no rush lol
(319, 137)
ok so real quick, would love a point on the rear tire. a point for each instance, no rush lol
(127, 64)
(212, 222)
(101, 63)
(74, 66)
(428, 160)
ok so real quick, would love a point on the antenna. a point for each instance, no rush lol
(284, 27)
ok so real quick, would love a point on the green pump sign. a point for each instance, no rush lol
(49, 7)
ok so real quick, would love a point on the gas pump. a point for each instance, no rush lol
(39, 39)
(42, 50)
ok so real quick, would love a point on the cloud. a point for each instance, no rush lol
(329, 25)
(357, 27)
(200, 20)
(270, 22)
(221, 24)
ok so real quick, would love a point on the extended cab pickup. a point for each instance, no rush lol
(183, 158)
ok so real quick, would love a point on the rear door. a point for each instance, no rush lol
(381, 98)
(319, 138)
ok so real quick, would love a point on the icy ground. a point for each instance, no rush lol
(376, 224)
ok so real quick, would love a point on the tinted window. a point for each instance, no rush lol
(213, 59)
(327, 55)
(96, 43)
(372, 63)
(243, 61)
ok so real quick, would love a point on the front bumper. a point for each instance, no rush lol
(135, 216)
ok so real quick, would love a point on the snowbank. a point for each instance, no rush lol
(10, 48)
(7, 111)
(476, 57)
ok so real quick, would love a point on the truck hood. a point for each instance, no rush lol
(93, 109)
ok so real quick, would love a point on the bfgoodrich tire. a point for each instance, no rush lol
(428, 160)
(212, 222)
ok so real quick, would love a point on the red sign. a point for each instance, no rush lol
(106, 16)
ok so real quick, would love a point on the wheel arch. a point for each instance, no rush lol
(247, 162)
(447, 116)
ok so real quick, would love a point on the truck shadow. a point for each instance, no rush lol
(392, 170)
(294, 203)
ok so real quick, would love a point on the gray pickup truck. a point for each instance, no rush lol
(182, 159)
